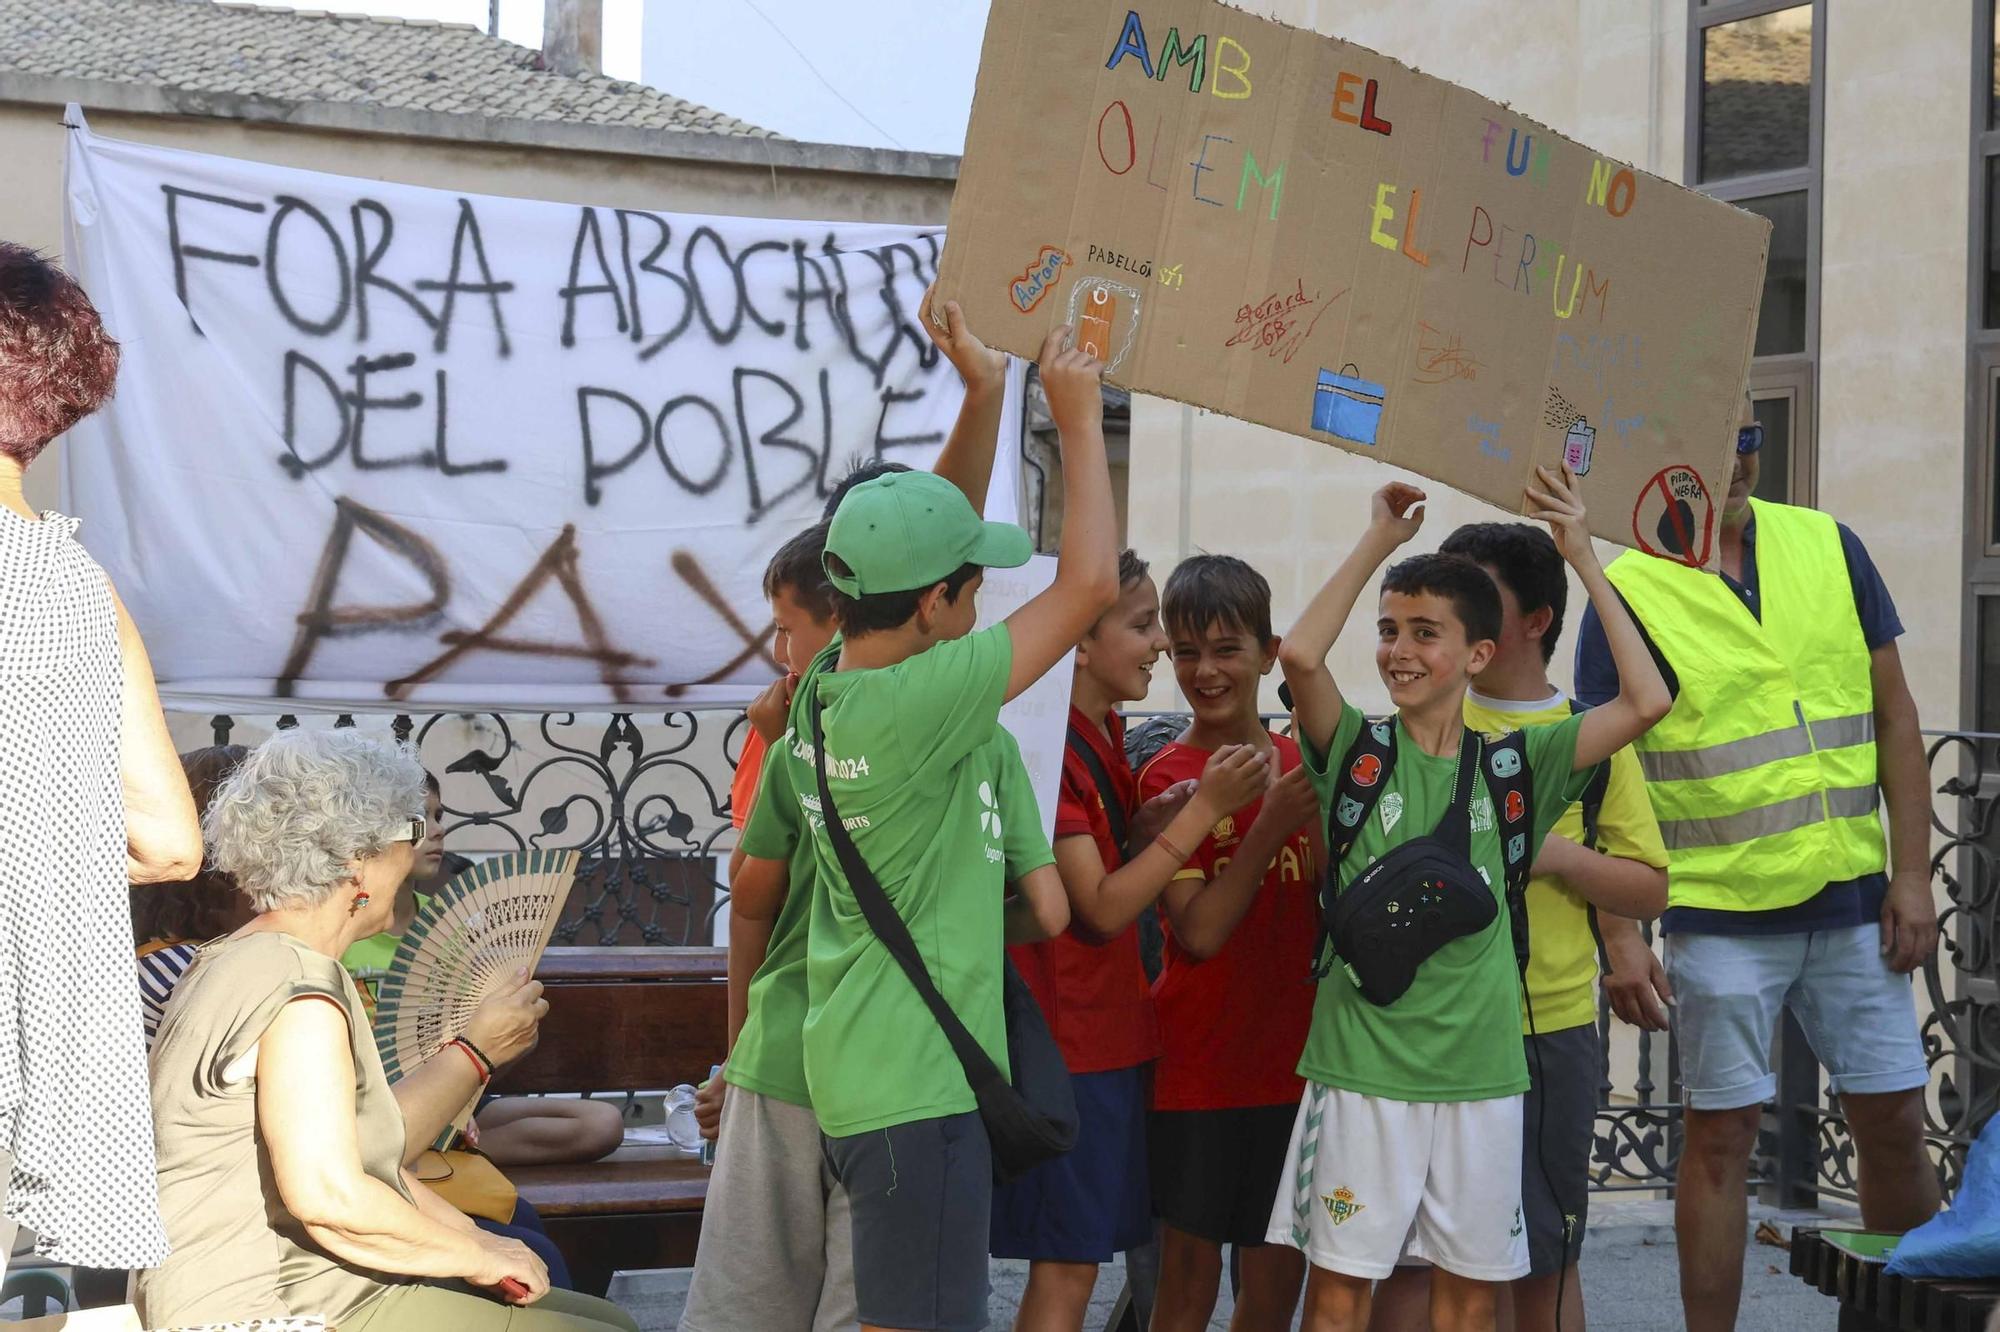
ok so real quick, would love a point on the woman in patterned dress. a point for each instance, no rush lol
(91, 797)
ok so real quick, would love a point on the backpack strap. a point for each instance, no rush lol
(1512, 787)
(1107, 791)
(1364, 774)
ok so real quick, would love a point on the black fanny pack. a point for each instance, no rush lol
(1385, 924)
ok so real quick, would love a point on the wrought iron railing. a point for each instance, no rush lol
(646, 800)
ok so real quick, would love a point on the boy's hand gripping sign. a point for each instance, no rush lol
(1299, 232)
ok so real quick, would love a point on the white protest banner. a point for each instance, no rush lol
(1039, 715)
(376, 445)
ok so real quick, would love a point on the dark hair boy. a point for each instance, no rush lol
(932, 791)
(1408, 1138)
(771, 1205)
(1232, 997)
(1617, 867)
(1071, 1215)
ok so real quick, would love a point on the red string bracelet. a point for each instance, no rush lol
(479, 1066)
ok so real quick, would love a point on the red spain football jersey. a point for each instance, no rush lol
(1232, 1027)
(1093, 995)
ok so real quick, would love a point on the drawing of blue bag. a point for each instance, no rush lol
(1347, 405)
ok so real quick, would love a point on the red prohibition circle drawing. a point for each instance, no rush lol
(1674, 517)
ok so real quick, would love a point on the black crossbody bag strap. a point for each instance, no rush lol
(1114, 809)
(883, 919)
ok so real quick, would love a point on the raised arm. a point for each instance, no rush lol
(1642, 694)
(1102, 904)
(162, 834)
(305, 1115)
(1086, 582)
(1396, 513)
(967, 459)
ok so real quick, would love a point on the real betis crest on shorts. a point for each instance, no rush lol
(1340, 1205)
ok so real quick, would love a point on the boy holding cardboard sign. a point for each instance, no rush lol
(916, 773)
(1410, 1127)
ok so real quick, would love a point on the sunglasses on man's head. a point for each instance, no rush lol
(1750, 438)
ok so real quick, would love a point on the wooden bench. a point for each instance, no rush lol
(1871, 1300)
(623, 1019)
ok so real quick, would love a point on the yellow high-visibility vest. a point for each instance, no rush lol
(1763, 775)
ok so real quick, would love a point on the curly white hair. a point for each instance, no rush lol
(303, 807)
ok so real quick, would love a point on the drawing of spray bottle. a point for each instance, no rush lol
(1577, 446)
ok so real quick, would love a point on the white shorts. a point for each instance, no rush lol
(1373, 1180)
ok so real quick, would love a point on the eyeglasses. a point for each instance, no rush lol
(410, 830)
(1750, 438)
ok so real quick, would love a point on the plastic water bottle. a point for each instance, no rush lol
(682, 1130)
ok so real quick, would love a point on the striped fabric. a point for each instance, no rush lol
(1308, 1158)
(160, 969)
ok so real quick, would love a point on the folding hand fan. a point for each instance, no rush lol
(467, 942)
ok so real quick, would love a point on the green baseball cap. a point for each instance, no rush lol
(908, 530)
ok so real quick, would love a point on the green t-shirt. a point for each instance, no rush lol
(1455, 1035)
(769, 1057)
(933, 791)
(367, 960)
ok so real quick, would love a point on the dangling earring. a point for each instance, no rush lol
(360, 900)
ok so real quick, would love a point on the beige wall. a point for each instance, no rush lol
(1892, 375)
(1608, 74)
(31, 149)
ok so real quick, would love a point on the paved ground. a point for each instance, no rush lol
(1630, 1281)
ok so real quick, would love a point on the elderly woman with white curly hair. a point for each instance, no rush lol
(280, 1143)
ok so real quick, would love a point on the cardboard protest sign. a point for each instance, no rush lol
(1303, 233)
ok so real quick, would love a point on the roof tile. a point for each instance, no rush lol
(218, 46)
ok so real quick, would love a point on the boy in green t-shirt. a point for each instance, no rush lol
(1603, 877)
(1409, 1134)
(772, 1204)
(930, 788)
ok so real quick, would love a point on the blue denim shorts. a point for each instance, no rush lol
(1860, 1017)
(1092, 1202)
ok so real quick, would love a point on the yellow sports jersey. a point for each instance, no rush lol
(1562, 957)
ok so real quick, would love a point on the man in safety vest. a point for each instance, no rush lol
(1791, 726)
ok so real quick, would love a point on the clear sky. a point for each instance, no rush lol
(883, 73)
(902, 78)
(520, 21)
